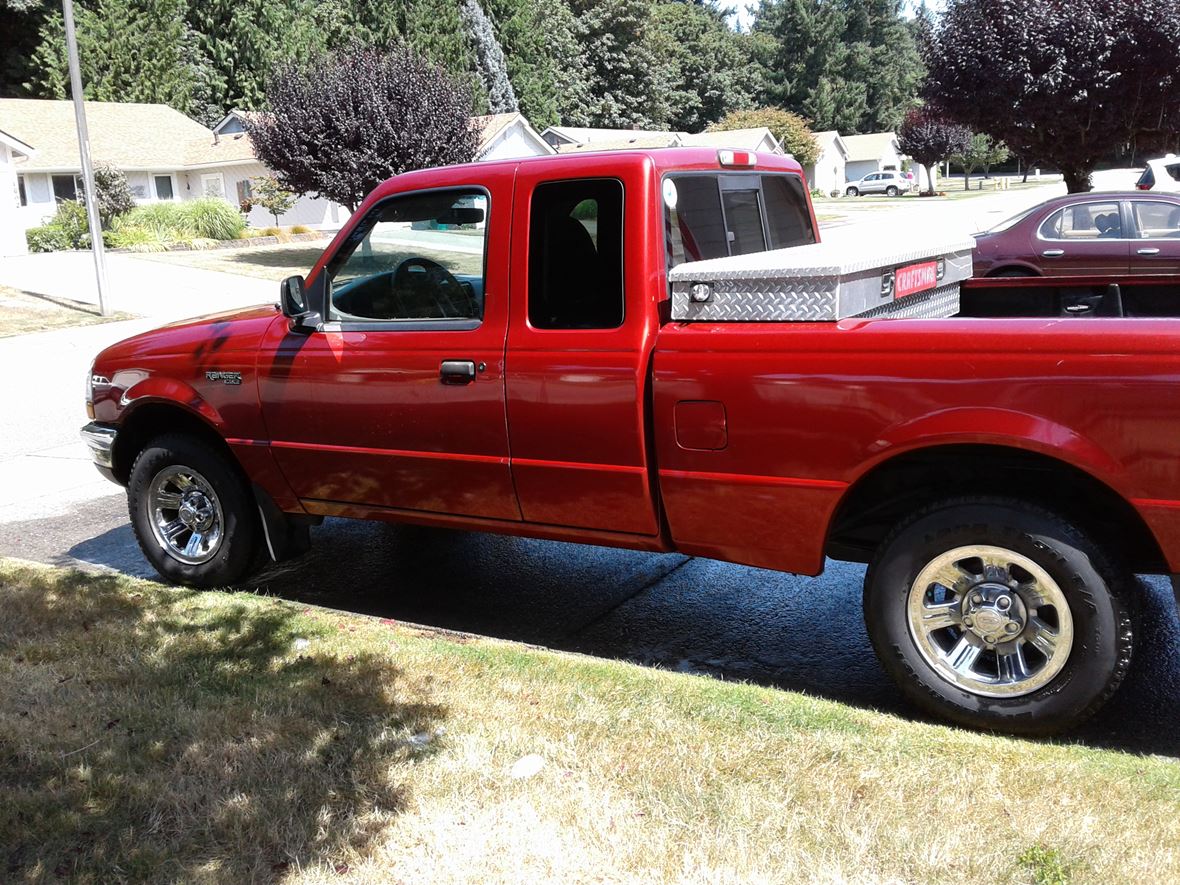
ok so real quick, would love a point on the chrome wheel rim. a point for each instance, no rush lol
(990, 621)
(185, 515)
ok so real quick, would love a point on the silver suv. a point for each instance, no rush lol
(891, 184)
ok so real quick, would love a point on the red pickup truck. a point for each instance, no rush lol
(492, 347)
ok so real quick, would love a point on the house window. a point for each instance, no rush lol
(245, 192)
(213, 185)
(163, 187)
(65, 187)
(20, 187)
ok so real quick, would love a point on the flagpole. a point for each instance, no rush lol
(90, 196)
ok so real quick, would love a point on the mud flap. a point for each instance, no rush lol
(286, 536)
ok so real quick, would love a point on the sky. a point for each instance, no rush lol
(743, 15)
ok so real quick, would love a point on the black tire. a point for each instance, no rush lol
(852, 192)
(892, 191)
(1099, 594)
(239, 546)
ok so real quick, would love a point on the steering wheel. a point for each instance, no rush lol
(433, 286)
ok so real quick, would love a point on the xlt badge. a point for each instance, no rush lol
(230, 378)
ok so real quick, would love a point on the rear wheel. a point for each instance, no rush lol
(192, 513)
(892, 191)
(998, 615)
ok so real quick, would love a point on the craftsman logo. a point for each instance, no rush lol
(915, 278)
(231, 378)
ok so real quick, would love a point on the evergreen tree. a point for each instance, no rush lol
(128, 50)
(490, 63)
(625, 79)
(706, 67)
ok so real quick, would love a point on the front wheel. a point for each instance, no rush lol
(852, 192)
(192, 514)
(892, 191)
(999, 615)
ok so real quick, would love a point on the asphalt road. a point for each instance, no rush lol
(669, 611)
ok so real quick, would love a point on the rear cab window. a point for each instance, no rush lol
(715, 215)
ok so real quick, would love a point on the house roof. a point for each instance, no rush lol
(210, 150)
(633, 140)
(831, 137)
(583, 134)
(18, 147)
(129, 136)
(872, 146)
(756, 139)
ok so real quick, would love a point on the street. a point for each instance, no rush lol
(670, 611)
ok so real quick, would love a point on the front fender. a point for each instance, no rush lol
(162, 390)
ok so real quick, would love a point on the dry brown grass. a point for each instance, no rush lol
(150, 734)
(264, 262)
(24, 312)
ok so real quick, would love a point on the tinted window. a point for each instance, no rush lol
(1156, 220)
(712, 216)
(64, 188)
(417, 257)
(1147, 179)
(1174, 171)
(576, 255)
(164, 187)
(1088, 221)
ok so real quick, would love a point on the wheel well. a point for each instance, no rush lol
(893, 490)
(149, 421)
(1005, 270)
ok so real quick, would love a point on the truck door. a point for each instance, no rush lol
(578, 343)
(397, 400)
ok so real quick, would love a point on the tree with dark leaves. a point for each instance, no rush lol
(1067, 82)
(929, 137)
(340, 124)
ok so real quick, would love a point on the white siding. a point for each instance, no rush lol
(828, 173)
(307, 211)
(512, 143)
(12, 234)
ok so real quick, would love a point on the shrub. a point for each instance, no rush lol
(114, 194)
(301, 229)
(165, 221)
(270, 232)
(135, 238)
(213, 219)
(71, 217)
(47, 238)
(789, 128)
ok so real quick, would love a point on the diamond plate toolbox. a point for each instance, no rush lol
(824, 281)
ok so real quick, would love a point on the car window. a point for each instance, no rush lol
(1174, 171)
(415, 257)
(712, 216)
(1155, 219)
(1146, 180)
(1086, 221)
(576, 255)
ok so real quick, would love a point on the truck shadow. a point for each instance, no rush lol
(684, 614)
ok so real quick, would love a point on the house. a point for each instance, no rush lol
(509, 136)
(164, 154)
(759, 139)
(828, 172)
(874, 152)
(12, 234)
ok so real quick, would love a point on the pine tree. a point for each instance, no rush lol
(490, 63)
(624, 72)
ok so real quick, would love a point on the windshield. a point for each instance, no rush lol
(719, 214)
(1009, 222)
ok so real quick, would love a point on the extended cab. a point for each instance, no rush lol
(491, 347)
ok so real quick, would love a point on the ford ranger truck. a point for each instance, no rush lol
(550, 348)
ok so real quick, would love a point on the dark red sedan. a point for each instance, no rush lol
(1085, 234)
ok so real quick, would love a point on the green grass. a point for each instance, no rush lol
(149, 734)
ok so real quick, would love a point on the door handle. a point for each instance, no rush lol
(457, 371)
(1053, 253)
(1150, 251)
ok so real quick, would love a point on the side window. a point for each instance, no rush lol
(1156, 220)
(576, 255)
(415, 257)
(1174, 171)
(1088, 221)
